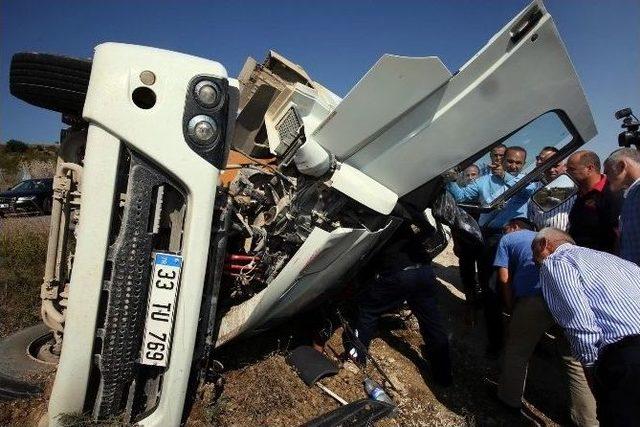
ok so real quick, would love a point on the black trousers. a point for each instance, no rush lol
(468, 258)
(617, 383)
(490, 297)
(417, 287)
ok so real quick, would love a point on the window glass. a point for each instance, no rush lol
(555, 193)
(547, 130)
(23, 186)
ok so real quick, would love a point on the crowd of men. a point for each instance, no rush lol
(571, 269)
(574, 266)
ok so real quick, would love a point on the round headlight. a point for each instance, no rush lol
(207, 93)
(203, 129)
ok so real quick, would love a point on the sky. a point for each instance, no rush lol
(335, 41)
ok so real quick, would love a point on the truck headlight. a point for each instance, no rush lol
(207, 93)
(203, 130)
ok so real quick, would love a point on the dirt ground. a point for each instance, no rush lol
(258, 387)
(265, 390)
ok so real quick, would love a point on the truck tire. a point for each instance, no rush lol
(17, 367)
(57, 83)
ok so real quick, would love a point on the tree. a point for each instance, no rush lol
(16, 146)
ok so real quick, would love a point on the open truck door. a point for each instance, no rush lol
(409, 119)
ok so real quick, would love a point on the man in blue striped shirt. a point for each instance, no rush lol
(623, 170)
(595, 297)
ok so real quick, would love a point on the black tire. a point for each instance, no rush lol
(57, 83)
(17, 367)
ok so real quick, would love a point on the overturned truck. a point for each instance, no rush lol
(161, 250)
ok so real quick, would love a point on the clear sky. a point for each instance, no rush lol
(335, 41)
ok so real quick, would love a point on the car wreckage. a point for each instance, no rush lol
(161, 250)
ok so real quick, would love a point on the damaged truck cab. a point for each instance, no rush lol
(153, 262)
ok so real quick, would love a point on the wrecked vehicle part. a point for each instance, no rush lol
(363, 413)
(62, 238)
(295, 238)
(260, 85)
(285, 233)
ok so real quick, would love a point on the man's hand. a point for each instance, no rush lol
(497, 169)
(451, 175)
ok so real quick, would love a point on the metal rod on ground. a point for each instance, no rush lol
(364, 350)
(332, 394)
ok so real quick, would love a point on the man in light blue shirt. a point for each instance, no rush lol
(489, 187)
(496, 155)
(595, 297)
(485, 190)
(518, 278)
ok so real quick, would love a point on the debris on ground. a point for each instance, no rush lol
(259, 387)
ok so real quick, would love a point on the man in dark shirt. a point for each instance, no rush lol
(593, 220)
(468, 254)
(402, 272)
(623, 172)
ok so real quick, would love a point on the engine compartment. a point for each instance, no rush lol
(274, 211)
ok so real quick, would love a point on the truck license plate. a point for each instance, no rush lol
(161, 309)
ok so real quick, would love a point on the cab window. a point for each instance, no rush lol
(540, 139)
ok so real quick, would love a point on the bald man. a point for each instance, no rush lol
(623, 171)
(595, 297)
(593, 219)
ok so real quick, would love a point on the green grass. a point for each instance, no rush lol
(23, 250)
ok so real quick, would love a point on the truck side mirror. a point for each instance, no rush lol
(555, 193)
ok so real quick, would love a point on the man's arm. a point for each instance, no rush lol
(611, 214)
(504, 278)
(562, 290)
(468, 193)
(506, 292)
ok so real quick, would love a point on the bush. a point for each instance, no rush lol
(16, 146)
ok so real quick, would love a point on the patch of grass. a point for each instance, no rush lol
(23, 250)
(214, 409)
(76, 420)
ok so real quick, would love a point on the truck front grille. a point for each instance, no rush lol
(138, 229)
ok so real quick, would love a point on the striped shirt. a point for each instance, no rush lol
(557, 217)
(593, 295)
(630, 224)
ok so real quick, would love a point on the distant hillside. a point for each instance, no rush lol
(18, 158)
